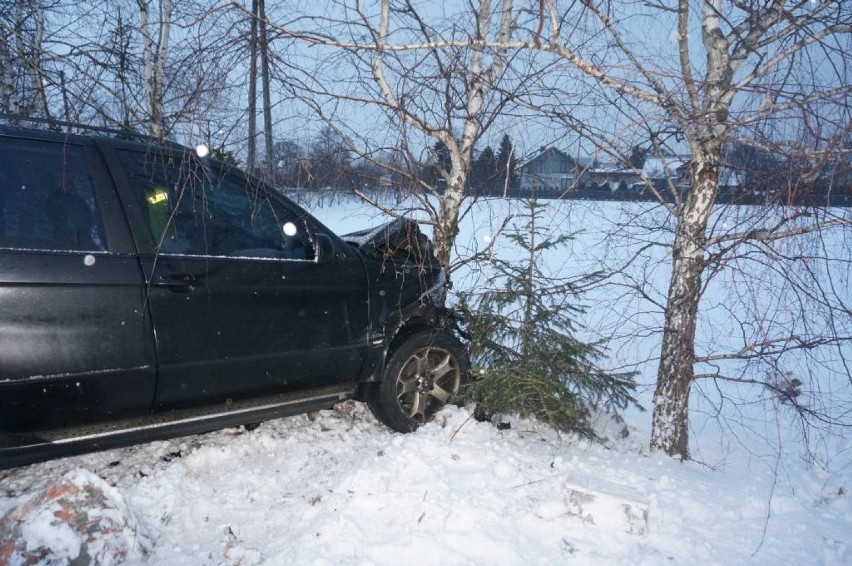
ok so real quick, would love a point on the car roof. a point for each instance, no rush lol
(91, 134)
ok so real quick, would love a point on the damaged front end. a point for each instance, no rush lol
(417, 361)
(399, 240)
(401, 257)
(408, 286)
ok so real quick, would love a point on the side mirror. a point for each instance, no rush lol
(325, 248)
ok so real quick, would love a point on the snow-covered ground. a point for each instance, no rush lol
(336, 487)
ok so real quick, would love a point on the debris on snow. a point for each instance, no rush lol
(608, 510)
(79, 518)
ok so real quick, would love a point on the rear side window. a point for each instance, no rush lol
(47, 197)
(195, 209)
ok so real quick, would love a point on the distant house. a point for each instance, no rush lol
(551, 170)
(553, 173)
(669, 168)
(608, 176)
(664, 171)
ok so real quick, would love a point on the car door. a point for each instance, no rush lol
(76, 345)
(241, 305)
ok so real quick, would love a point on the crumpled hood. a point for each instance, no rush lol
(399, 240)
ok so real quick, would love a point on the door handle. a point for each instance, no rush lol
(178, 282)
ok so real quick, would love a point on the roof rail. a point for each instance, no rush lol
(16, 120)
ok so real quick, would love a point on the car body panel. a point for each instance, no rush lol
(148, 320)
(231, 327)
(250, 327)
(76, 342)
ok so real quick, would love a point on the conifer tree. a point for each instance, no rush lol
(523, 348)
(483, 171)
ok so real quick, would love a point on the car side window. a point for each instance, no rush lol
(47, 198)
(194, 209)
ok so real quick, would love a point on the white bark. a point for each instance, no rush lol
(8, 93)
(40, 103)
(677, 353)
(154, 56)
(267, 98)
(147, 63)
(21, 75)
(481, 81)
(765, 33)
(251, 161)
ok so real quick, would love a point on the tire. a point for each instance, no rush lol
(422, 375)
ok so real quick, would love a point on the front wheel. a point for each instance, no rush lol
(422, 375)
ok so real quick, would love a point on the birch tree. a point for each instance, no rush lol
(156, 29)
(259, 49)
(251, 161)
(267, 93)
(705, 73)
(431, 76)
(22, 75)
(160, 67)
(480, 81)
(737, 64)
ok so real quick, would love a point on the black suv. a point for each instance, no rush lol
(146, 292)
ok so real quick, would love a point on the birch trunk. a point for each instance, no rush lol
(478, 80)
(9, 101)
(482, 81)
(160, 69)
(154, 55)
(40, 104)
(447, 226)
(267, 100)
(708, 113)
(252, 93)
(670, 422)
(10, 38)
(749, 48)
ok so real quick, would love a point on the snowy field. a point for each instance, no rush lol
(737, 310)
(336, 487)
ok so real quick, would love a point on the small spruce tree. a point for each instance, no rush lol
(525, 356)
